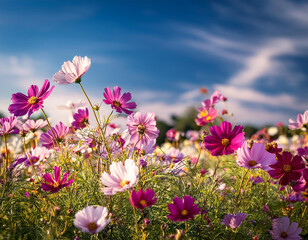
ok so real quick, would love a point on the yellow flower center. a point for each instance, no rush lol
(184, 212)
(143, 202)
(283, 235)
(92, 226)
(141, 129)
(203, 113)
(124, 182)
(32, 100)
(116, 103)
(208, 118)
(55, 184)
(252, 163)
(287, 168)
(225, 142)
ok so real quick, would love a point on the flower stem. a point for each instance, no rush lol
(27, 153)
(6, 153)
(239, 191)
(303, 214)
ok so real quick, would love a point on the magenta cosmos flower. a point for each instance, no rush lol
(60, 131)
(234, 221)
(118, 102)
(55, 184)
(36, 156)
(72, 71)
(255, 157)
(142, 128)
(224, 140)
(287, 168)
(183, 210)
(282, 230)
(121, 177)
(92, 219)
(8, 125)
(81, 118)
(173, 135)
(302, 119)
(205, 116)
(142, 199)
(23, 104)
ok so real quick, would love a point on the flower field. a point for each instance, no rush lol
(102, 181)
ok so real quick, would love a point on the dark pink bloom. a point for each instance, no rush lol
(282, 230)
(8, 125)
(118, 102)
(224, 140)
(27, 195)
(143, 199)
(55, 184)
(172, 135)
(23, 104)
(81, 118)
(287, 168)
(303, 152)
(205, 116)
(60, 131)
(182, 210)
(142, 128)
(234, 221)
(255, 156)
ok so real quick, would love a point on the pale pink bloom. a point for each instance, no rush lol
(208, 103)
(174, 155)
(32, 125)
(282, 230)
(92, 219)
(121, 177)
(302, 119)
(72, 71)
(234, 221)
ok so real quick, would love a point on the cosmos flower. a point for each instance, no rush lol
(255, 157)
(182, 210)
(142, 128)
(72, 71)
(121, 177)
(172, 135)
(223, 140)
(234, 221)
(54, 184)
(118, 102)
(192, 135)
(208, 103)
(81, 118)
(174, 155)
(92, 219)
(8, 126)
(36, 156)
(205, 116)
(60, 131)
(23, 104)
(287, 168)
(32, 125)
(282, 230)
(142, 199)
(302, 119)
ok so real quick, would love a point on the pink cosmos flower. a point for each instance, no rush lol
(173, 135)
(8, 125)
(92, 219)
(234, 221)
(36, 156)
(302, 119)
(32, 125)
(287, 168)
(208, 103)
(182, 210)
(142, 199)
(192, 135)
(174, 155)
(255, 157)
(205, 116)
(142, 128)
(54, 184)
(121, 177)
(282, 230)
(23, 104)
(60, 131)
(256, 180)
(81, 118)
(72, 71)
(224, 140)
(118, 102)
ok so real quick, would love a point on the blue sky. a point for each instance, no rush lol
(254, 52)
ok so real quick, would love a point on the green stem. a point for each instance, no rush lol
(303, 214)
(239, 191)
(27, 153)
(6, 153)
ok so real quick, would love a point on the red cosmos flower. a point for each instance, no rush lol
(287, 168)
(224, 140)
(118, 102)
(23, 104)
(183, 210)
(54, 184)
(143, 199)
